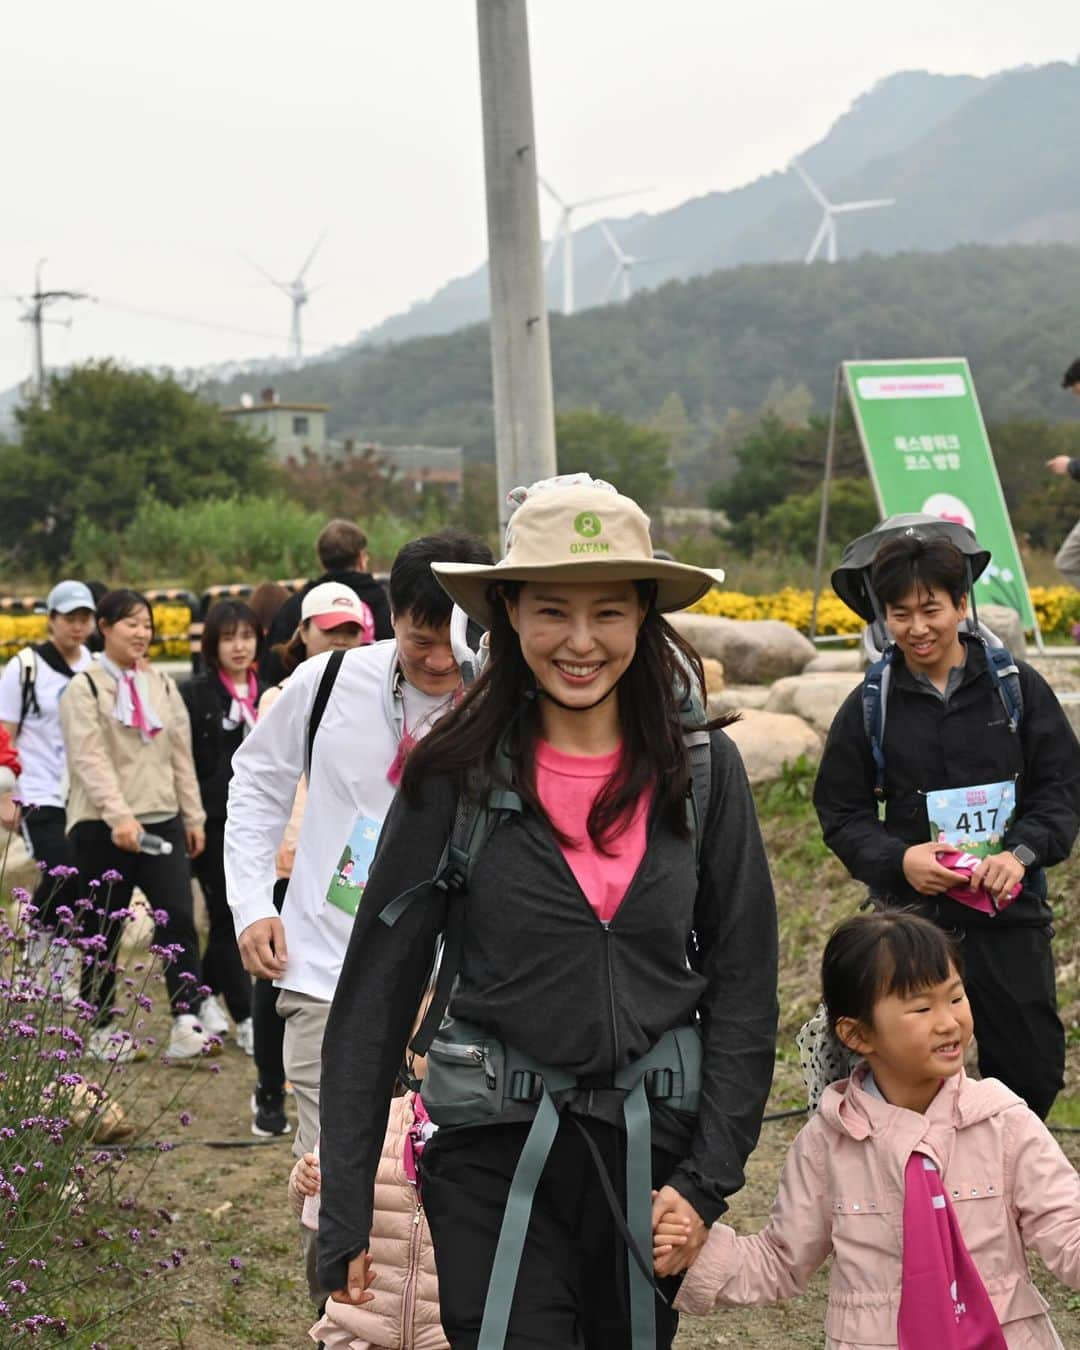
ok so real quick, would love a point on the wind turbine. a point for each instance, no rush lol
(564, 234)
(298, 292)
(624, 263)
(827, 229)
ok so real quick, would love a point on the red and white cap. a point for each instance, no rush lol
(330, 604)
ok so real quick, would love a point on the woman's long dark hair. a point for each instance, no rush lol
(503, 700)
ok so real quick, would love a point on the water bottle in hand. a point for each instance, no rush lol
(153, 843)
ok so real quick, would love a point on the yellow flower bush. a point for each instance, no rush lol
(1056, 607)
(170, 632)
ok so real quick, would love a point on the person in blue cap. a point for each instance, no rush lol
(30, 690)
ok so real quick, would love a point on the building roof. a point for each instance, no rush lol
(275, 407)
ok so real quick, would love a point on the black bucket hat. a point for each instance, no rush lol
(851, 580)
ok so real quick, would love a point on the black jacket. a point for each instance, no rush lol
(928, 745)
(541, 971)
(212, 746)
(287, 619)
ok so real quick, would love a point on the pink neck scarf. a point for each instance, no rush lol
(943, 1301)
(131, 708)
(242, 709)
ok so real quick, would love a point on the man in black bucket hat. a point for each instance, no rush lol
(951, 752)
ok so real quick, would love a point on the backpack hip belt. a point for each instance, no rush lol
(473, 1078)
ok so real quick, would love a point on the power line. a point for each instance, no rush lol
(35, 316)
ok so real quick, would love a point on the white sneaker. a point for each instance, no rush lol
(211, 1016)
(245, 1036)
(110, 1046)
(190, 1038)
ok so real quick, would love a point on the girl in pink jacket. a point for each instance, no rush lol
(402, 1307)
(925, 1187)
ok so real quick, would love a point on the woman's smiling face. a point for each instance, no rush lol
(578, 638)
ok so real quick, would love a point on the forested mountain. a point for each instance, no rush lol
(730, 341)
(968, 160)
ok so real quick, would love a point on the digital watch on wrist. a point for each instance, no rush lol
(1023, 855)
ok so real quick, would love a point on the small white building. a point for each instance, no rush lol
(291, 427)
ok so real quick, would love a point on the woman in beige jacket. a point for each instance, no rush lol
(133, 789)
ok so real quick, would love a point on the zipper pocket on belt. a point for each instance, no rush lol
(469, 1054)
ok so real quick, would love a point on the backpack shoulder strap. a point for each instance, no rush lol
(28, 702)
(698, 744)
(875, 699)
(1005, 675)
(322, 698)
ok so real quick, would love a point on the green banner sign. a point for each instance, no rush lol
(927, 450)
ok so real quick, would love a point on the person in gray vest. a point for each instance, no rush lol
(614, 947)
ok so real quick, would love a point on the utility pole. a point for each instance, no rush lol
(520, 348)
(35, 316)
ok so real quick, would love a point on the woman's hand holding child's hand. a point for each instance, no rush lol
(678, 1232)
(306, 1177)
(360, 1278)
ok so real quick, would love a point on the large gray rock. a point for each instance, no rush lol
(815, 698)
(1006, 624)
(767, 741)
(754, 651)
(736, 697)
(841, 658)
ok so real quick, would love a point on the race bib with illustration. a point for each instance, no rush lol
(972, 819)
(350, 876)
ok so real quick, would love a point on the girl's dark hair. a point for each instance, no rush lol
(292, 653)
(909, 562)
(119, 604)
(503, 702)
(871, 956)
(223, 620)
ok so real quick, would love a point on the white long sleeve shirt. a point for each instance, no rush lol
(355, 745)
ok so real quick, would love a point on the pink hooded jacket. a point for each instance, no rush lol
(404, 1314)
(842, 1192)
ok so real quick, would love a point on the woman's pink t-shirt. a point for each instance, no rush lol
(567, 786)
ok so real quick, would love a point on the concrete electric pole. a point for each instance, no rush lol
(520, 348)
(35, 316)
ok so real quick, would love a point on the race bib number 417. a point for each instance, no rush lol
(972, 819)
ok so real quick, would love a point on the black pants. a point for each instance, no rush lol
(269, 1028)
(572, 1287)
(166, 883)
(223, 970)
(1009, 975)
(45, 828)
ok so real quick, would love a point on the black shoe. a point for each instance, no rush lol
(268, 1113)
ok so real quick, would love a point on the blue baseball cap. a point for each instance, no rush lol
(67, 596)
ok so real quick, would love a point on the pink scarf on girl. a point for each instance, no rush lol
(242, 708)
(943, 1301)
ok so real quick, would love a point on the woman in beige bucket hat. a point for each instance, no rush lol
(604, 919)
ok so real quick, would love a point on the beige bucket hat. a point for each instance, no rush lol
(576, 533)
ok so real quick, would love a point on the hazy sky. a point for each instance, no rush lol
(149, 143)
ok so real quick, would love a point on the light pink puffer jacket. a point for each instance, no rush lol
(842, 1192)
(404, 1314)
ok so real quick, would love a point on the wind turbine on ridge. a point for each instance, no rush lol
(624, 263)
(827, 229)
(564, 233)
(298, 292)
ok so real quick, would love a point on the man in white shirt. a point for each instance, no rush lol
(384, 698)
(30, 690)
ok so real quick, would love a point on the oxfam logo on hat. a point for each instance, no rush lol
(587, 524)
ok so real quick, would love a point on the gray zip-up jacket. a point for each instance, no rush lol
(542, 972)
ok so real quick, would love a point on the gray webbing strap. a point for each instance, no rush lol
(515, 1224)
(639, 1214)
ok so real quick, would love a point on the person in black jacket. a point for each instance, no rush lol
(222, 703)
(342, 550)
(948, 728)
(592, 930)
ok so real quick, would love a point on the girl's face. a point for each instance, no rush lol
(318, 640)
(128, 639)
(70, 631)
(578, 638)
(236, 650)
(915, 1040)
